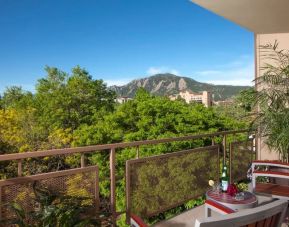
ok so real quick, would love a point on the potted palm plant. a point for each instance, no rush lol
(273, 99)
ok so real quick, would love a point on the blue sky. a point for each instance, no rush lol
(121, 40)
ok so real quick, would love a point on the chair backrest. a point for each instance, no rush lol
(270, 215)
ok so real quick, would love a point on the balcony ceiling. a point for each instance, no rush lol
(259, 16)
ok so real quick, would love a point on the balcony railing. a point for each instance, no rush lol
(219, 146)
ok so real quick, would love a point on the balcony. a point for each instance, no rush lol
(153, 184)
(159, 175)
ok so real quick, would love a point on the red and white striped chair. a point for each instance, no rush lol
(275, 170)
(269, 215)
(217, 207)
(136, 221)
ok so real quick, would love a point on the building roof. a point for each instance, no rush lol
(258, 16)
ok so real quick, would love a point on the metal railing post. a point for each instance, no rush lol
(1, 204)
(19, 167)
(112, 185)
(82, 160)
(219, 146)
(230, 162)
(137, 151)
(224, 147)
(127, 191)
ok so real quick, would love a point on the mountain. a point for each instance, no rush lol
(168, 84)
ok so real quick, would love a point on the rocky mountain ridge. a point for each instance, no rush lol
(170, 84)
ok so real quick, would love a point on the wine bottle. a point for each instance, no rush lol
(224, 179)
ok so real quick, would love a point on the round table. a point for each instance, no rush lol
(249, 201)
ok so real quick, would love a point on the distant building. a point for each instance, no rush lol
(204, 97)
(122, 99)
(227, 102)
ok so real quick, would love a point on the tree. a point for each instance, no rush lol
(246, 99)
(61, 104)
(67, 101)
(15, 97)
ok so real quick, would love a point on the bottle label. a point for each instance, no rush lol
(224, 185)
